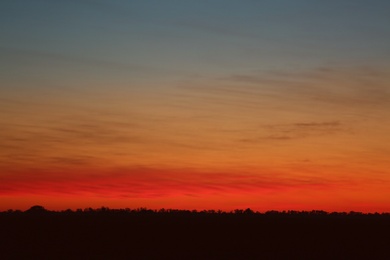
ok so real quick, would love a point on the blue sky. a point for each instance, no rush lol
(186, 38)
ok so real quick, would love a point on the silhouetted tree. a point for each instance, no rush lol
(248, 211)
(37, 209)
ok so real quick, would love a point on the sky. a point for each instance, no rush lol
(217, 104)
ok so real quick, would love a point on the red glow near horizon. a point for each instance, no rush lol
(186, 189)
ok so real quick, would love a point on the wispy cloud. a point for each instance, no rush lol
(340, 86)
(114, 9)
(150, 182)
(30, 54)
(293, 131)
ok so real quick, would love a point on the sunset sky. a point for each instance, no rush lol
(217, 104)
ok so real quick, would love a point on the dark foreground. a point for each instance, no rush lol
(143, 234)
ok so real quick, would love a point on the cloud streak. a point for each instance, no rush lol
(149, 182)
(30, 54)
(363, 86)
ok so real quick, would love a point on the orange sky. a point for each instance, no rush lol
(221, 144)
(188, 105)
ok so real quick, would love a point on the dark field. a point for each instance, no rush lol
(144, 234)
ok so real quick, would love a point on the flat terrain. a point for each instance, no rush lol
(186, 235)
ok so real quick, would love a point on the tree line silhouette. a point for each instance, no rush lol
(142, 233)
(38, 209)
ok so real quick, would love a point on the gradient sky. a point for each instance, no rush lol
(217, 104)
